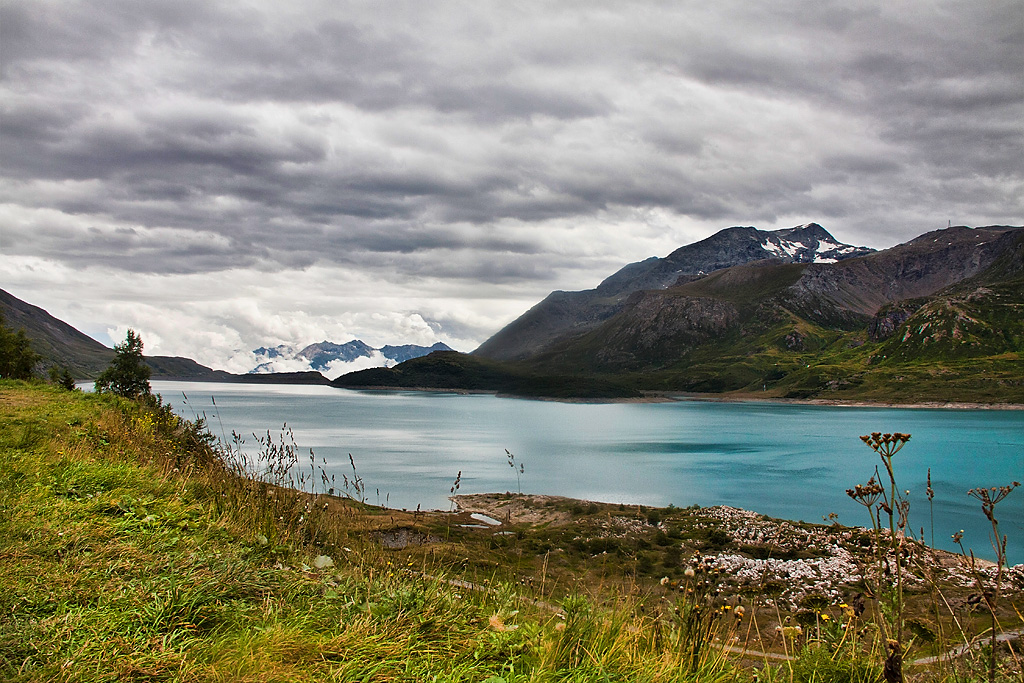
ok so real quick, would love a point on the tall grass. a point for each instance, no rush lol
(166, 556)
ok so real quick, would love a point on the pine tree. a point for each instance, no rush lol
(62, 377)
(128, 374)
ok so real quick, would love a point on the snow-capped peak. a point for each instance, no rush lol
(808, 243)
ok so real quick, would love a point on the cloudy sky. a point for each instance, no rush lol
(226, 175)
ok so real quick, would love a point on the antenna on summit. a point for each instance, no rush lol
(949, 222)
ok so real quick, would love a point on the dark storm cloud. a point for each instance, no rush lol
(235, 135)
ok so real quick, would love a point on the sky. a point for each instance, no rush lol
(226, 175)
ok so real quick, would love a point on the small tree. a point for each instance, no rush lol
(128, 374)
(17, 359)
(63, 378)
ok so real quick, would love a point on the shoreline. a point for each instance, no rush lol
(649, 397)
(546, 510)
(850, 403)
(678, 397)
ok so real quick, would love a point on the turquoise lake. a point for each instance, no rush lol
(782, 460)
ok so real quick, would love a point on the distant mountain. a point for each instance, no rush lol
(63, 346)
(323, 355)
(400, 354)
(281, 351)
(574, 313)
(935, 319)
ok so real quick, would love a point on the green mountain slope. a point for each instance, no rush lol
(980, 316)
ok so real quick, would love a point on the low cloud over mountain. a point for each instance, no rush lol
(332, 359)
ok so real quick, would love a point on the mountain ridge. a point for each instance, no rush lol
(63, 346)
(569, 313)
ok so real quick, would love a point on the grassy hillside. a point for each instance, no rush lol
(133, 551)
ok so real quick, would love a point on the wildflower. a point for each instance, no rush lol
(664, 581)
(740, 611)
(689, 573)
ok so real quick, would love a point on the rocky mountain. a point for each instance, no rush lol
(405, 352)
(982, 315)
(573, 313)
(935, 319)
(656, 328)
(321, 356)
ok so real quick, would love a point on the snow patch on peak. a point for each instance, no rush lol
(808, 243)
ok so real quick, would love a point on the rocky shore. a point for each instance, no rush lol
(785, 562)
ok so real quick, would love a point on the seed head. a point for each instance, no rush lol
(886, 444)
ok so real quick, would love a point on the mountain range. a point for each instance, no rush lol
(788, 313)
(325, 355)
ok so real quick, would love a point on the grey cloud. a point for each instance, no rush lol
(301, 139)
(51, 32)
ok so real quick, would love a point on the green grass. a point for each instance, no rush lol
(132, 550)
(119, 564)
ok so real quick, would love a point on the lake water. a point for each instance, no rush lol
(788, 461)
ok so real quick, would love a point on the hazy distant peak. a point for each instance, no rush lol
(322, 356)
(325, 351)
